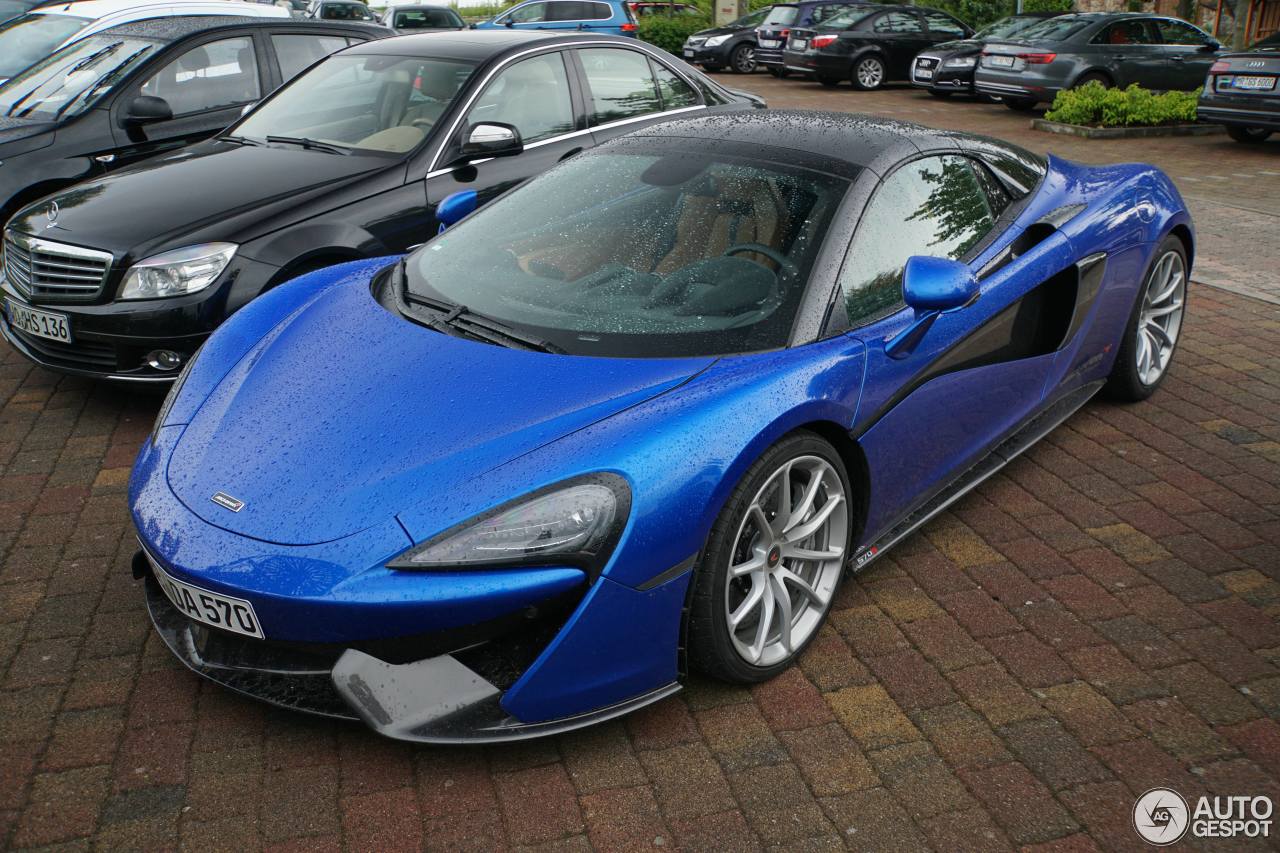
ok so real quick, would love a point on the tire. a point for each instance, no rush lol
(942, 96)
(1020, 105)
(1093, 77)
(780, 73)
(1248, 135)
(743, 59)
(1129, 381)
(829, 82)
(736, 539)
(868, 73)
(712, 69)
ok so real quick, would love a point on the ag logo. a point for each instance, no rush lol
(1161, 816)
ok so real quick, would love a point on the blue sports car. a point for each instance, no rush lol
(637, 416)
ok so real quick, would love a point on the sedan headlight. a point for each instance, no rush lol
(961, 62)
(177, 273)
(716, 41)
(573, 523)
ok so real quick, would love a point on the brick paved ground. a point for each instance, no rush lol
(1098, 619)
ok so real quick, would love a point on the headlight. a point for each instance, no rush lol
(178, 272)
(961, 62)
(716, 41)
(571, 523)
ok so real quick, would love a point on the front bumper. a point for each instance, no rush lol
(435, 700)
(703, 55)
(943, 78)
(112, 340)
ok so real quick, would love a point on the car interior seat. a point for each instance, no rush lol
(723, 213)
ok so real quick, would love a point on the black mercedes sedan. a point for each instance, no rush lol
(123, 277)
(731, 46)
(143, 88)
(1243, 92)
(869, 45)
(1110, 48)
(947, 69)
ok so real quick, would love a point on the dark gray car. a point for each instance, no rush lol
(1115, 49)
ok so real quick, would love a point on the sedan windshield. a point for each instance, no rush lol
(1006, 27)
(27, 40)
(1056, 29)
(781, 16)
(647, 254)
(352, 103)
(69, 81)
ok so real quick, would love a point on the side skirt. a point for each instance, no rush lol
(1001, 455)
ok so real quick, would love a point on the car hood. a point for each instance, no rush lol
(720, 31)
(200, 192)
(346, 414)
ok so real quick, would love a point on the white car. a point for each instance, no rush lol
(417, 17)
(30, 38)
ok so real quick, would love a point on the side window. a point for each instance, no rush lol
(827, 11)
(219, 74)
(934, 206)
(898, 22)
(1124, 32)
(998, 197)
(621, 84)
(577, 10)
(297, 52)
(675, 92)
(943, 24)
(530, 13)
(533, 95)
(1177, 32)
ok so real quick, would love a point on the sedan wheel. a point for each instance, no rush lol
(868, 73)
(1249, 135)
(773, 563)
(743, 59)
(1152, 336)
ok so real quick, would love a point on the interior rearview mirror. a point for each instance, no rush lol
(147, 109)
(932, 286)
(455, 207)
(491, 139)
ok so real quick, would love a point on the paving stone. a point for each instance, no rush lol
(539, 804)
(873, 820)
(1046, 749)
(870, 715)
(1020, 803)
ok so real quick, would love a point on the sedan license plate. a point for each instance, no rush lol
(1002, 61)
(797, 44)
(42, 324)
(924, 73)
(1253, 82)
(688, 54)
(769, 42)
(209, 608)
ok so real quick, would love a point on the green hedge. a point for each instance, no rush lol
(669, 32)
(1097, 106)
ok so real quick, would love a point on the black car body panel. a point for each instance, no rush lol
(772, 34)
(1243, 89)
(894, 34)
(1118, 49)
(948, 67)
(43, 153)
(725, 41)
(289, 209)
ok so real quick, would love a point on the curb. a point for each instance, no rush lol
(1126, 132)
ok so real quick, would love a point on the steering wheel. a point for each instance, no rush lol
(784, 263)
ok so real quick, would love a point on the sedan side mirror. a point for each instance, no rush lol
(1211, 47)
(148, 109)
(455, 207)
(932, 286)
(491, 139)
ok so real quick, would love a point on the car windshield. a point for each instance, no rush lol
(1271, 42)
(69, 81)
(1056, 29)
(425, 19)
(364, 104)
(781, 16)
(1006, 27)
(752, 20)
(29, 39)
(636, 252)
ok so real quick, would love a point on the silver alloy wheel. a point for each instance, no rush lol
(786, 560)
(870, 72)
(1160, 317)
(744, 59)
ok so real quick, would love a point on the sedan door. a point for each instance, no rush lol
(538, 95)
(1188, 53)
(624, 89)
(206, 85)
(901, 34)
(1128, 50)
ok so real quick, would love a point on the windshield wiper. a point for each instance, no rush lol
(310, 144)
(241, 140)
(459, 320)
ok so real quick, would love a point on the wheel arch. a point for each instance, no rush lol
(1095, 70)
(1183, 233)
(312, 261)
(855, 466)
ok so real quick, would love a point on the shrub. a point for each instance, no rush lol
(975, 13)
(1048, 5)
(669, 32)
(1097, 106)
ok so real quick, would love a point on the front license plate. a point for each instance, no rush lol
(42, 324)
(217, 611)
(1255, 83)
(924, 73)
(1002, 61)
(688, 54)
(769, 42)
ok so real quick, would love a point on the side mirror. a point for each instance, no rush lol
(932, 286)
(491, 139)
(455, 207)
(148, 109)
(1211, 47)
(509, 23)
